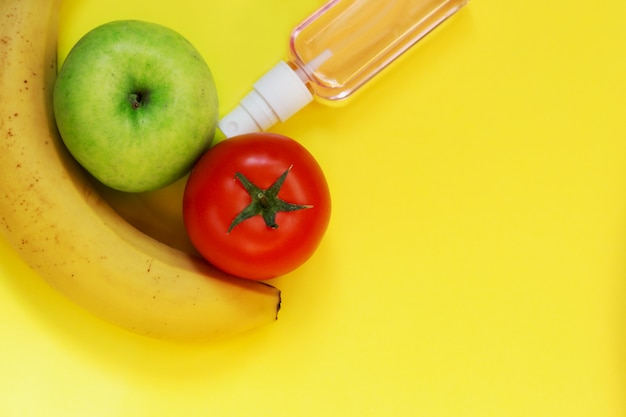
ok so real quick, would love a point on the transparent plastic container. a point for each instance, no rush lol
(333, 53)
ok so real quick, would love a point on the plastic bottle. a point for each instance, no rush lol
(333, 53)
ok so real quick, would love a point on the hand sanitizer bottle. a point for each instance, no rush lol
(333, 53)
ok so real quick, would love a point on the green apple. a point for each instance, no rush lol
(135, 104)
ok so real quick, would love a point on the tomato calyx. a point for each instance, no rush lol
(265, 203)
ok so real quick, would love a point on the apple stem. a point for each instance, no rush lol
(135, 100)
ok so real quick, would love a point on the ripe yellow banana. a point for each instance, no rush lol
(51, 213)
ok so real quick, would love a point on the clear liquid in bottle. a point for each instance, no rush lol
(358, 38)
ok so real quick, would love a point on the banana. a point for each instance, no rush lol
(52, 215)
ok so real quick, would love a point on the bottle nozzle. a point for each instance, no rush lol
(277, 96)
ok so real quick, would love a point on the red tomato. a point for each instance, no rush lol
(256, 205)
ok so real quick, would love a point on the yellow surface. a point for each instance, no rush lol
(476, 259)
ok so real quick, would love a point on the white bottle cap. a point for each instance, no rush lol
(277, 96)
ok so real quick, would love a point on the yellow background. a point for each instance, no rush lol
(474, 264)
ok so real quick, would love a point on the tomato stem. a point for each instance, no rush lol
(264, 203)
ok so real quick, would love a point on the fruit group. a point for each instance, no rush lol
(61, 227)
(257, 205)
(135, 104)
